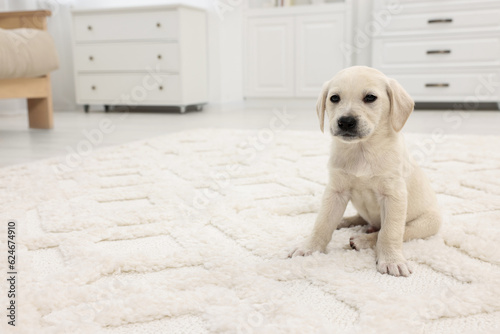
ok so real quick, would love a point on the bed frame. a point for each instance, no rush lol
(37, 90)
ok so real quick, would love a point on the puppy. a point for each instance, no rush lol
(370, 166)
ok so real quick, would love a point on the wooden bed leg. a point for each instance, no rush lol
(40, 113)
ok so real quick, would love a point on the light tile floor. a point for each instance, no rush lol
(18, 144)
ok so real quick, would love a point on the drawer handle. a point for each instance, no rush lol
(440, 21)
(159, 56)
(433, 52)
(437, 85)
(160, 87)
(91, 58)
(93, 87)
(158, 25)
(89, 28)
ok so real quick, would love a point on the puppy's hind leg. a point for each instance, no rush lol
(423, 226)
(352, 221)
(363, 241)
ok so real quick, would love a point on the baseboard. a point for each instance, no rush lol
(456, 106)
(11, 112)
(292, 103)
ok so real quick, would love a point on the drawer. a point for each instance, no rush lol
(159, 25)
(127, 57)
(389, 53)
(129, 89)
(433, 22)
(432, 6)
(469, 87)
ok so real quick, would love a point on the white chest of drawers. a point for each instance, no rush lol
(151, 56)
(441, 51)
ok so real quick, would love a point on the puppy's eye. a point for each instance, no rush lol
(369, 98)
(335, 98)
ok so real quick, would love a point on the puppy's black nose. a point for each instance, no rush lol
(347, 122)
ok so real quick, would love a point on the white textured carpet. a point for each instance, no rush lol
(116, 246)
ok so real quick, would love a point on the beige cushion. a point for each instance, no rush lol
(26, 53)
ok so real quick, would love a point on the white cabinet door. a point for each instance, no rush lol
(319, 55)
(269, 54)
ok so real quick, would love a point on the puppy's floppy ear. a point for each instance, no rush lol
(321, 105)
(401, 104)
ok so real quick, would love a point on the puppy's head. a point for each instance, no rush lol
(361, 100)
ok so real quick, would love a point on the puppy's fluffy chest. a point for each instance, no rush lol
(366, 172)
(365, 193)
(358, 163)
(360, 160)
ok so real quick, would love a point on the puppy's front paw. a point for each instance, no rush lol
(305, 249)
(395, 268)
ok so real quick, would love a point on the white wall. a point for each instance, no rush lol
(225, 42)
(361, 31)
(22, 4)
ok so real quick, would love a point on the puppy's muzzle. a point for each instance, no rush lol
(348, 126)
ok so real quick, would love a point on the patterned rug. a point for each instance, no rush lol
(188, 233)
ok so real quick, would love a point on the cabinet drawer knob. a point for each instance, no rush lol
(89, 28)
(159, 56)
(91, 58)
(158, 25)
(432, 21)
(160, 87)
(433, 52)
(93, 87)
(437, 85)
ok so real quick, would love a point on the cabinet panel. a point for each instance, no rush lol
(444, 21)
(269, 54)
(133, 89)
(319, 56)
(436, 52)
(430, 87)
(127, 57)
(126, 26)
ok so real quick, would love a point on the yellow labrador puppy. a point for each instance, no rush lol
(370, 166)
